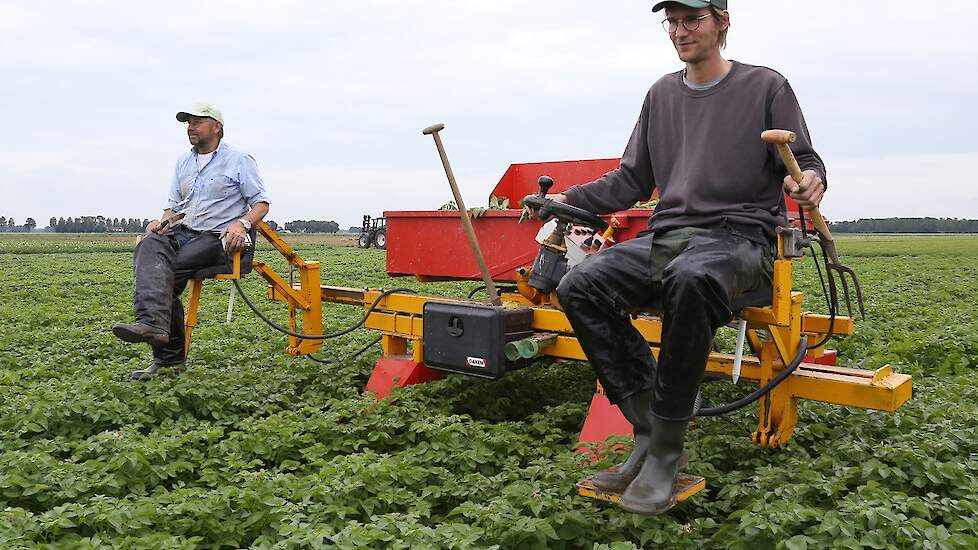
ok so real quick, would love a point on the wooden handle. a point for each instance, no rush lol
(464, 214)
(433, 128)
(782, 138)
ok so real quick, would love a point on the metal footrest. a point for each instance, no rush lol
(686, 486)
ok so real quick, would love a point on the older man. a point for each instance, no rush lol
(219, 195)
(711, 239)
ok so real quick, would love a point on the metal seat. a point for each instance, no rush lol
(761, 297)
(239, 264)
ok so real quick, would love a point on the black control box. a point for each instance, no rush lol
(468, 338)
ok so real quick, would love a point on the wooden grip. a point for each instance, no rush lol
(789, 162)
(819, 222)
(795, 171)
(433, 128)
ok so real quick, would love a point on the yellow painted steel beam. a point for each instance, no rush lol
(400, 315)
(279, 288)
(279, 244)
(888, 394)
(553, 320)
(312, 315)
(397, 324)
(816, 323)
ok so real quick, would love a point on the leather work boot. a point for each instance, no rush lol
(135, 333)
(651, 491)
(155, 370)
(638, 411)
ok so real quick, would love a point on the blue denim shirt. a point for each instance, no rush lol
(227, 187)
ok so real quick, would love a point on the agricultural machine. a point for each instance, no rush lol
(373, 231)
(425, 337)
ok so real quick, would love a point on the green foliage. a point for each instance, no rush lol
(251, 448)
(495, 203)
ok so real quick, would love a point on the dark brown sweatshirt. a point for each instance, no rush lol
(702, 150)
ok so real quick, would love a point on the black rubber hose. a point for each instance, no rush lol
(762, 391)
(337, 334)
(483, 287)
(833, 296)
(354, 355)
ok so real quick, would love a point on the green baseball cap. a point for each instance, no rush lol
(719, 4)
(202, 110)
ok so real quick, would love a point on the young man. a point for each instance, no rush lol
(711, 238)
(219, 191)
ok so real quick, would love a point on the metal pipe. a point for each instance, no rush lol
(529, 347)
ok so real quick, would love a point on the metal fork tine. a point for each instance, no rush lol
(859, 295)
(845, 293)
(843, 271)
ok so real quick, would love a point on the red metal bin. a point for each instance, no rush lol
(431, 244)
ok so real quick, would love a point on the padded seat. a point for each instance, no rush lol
(228, 270)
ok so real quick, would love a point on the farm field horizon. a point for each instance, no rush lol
(252, 448)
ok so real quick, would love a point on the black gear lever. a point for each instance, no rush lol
(551, 263)
(545, 182)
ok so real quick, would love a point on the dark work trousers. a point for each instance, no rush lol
(163, 265)
(693, 275)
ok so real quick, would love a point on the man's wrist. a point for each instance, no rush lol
(245, 223)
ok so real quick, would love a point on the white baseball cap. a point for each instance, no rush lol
(201, 110)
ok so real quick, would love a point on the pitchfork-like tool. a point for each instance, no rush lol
(782, 138)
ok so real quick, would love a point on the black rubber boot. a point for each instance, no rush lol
(135, 333)
(156, 369)
(651, 491)
(638, 411)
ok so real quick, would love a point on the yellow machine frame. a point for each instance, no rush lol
(774, 331)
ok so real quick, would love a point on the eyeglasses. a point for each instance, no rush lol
(689, 23)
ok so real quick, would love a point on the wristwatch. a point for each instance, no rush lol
(245, 223)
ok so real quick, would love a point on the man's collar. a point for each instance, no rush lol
(220, 145)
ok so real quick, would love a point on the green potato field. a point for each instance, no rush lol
(250, 448)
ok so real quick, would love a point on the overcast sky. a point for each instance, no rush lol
(330, 97)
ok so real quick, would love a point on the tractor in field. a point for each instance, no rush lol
(373, 231)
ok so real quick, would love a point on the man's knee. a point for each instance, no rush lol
(152, 240)
(683, 271)
(685, 277)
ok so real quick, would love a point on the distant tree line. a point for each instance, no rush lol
(98, 224)
(312, 226)
(906, 225)
(8, 225)
(105, 224)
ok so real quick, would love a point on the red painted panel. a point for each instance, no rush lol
(603, 419)
(397, 371)
(520, 180)
(829, 357)
(432, 245)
